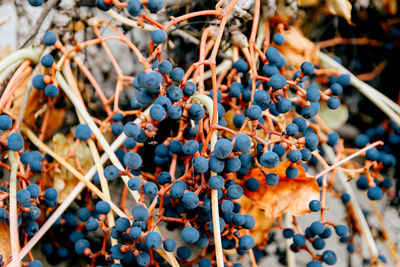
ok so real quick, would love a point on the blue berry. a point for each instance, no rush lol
(150, 189)
(233, 165)
(246, 242)
(307, 68)
(135, 232)
(238, 120)
(318, 243)
(252, 184)
(190, 147)
(15, 142)
(152, 81)
(190, 200)
(313, 94)
(345, 197)
(23, 196)
(134, 183)
(273, 55)
(269, 160)
(132, 160)
(169, 244)
(329, 257)
(216, 165)
(238, 219)
(37, 81)
(134, 7)
(164, 178)
(200, 164)
(34, 190)
(372, 154)
(100, 4)
(143, 259)
(190, 88)
(294, 156)
(283, 105)
(314, 205)
(177, 74)
(102, 207)
(117, 128)
(288, 233)
(190, 235)
(175, 146)
(241, 65)
(249, 221)
(317, 228)
(311, 140)
(291, 172)
(158, 36)
(83, 214)
(196, 112)
(121, 224)
(154, 5)
(277, 81)
(333, 102)
(47, 61)
(272, 179)
(243, 143)
(5, 122)
(344, 79)
(131, 130)
(81, 245)
(227, 206)
(83, 132)
(262, 99)
(31, 228)
(51, 194)
(278, 38)
(111, 172)
(51, 90)
(130, 143)
(153, 240)
(234, 191)
(174, 93)
(165, 67)
(254, 112)
(223, 148)
(341, 230)
(35, 165)
(140, 213)
(204, 262)
(35, 3)
(333, 138)
(299, 240)
(301, 123)
(375, 193)
(362, 183)
(177, 189)
(91, 225)
(269, 70)
(184, 252)
(336, 89)
(236, 89)
(35, 263)
(292, 129)
(157, 112)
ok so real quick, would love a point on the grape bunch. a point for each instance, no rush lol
(186, 151)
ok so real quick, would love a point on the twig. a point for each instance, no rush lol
(46, 9)
(389, 107)
(14, 236)
(19, 55)
(130, 22)
(10, 69)
(207, 101)
(290, 257)
(330, 155)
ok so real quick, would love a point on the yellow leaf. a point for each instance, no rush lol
(5, 241)
(340, 8)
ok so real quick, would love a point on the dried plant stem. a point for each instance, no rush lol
(208, 102)
(366, 231)
(386, 235)
(291, 259)
(130, 22)
(19, 55)
(14, 238)
(388, 106)
(10, 69)
(82, 111)
(35, 140)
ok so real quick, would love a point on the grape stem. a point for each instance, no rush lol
(208, 103)
(14, 238)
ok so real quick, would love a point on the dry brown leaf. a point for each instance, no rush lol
(340, 8)
(308, 3)
(297, 48)
(60, 178)
(289, 195)
(263, 224)
(5, 249)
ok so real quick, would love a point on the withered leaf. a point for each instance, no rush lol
(5, 249)
(289, 195)
(297, 48)
(340, 8)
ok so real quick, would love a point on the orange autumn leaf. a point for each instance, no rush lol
(289, 195)
(297, 48)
